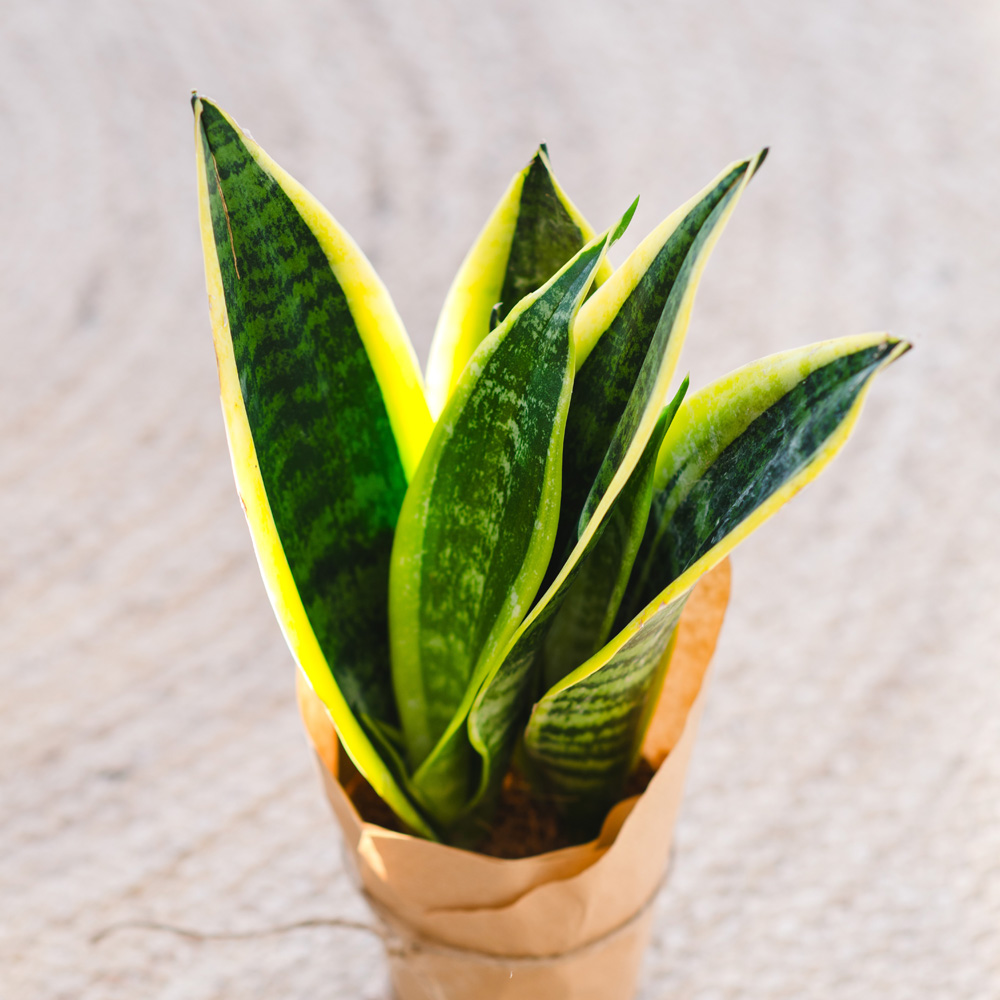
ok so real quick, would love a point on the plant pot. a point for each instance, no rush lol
(571, 924)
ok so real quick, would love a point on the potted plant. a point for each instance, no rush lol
(481, 581)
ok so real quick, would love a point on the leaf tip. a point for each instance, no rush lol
(896, 348)
(623, 222)
(670, 410)
(758, 161)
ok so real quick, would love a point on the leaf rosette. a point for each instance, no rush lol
(491, 569)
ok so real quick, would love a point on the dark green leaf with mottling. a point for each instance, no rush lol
(327, 455)
(513, 684)
(734, 454)
(532, 233)
(546, 236)
(476, 528)
(579, 742)
(593, 579)
(583, 622)
(633, 346)
(709, 492)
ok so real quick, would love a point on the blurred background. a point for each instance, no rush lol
(841, 829)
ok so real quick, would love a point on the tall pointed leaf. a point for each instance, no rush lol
(735, 453)
(476, 528)
(534, 230)
(500, 708)
(509, 687)
(325, 417)
(501, 703)
(622, 324)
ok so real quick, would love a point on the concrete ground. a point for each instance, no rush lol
(841, 832)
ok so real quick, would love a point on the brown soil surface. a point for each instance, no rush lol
(525, 824)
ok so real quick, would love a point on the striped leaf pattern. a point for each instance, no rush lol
(515, 571)
(586, 613)
(725, 460)
(534, 230)
(664, 270)
(633, 329)
(595, 572)
(734, 454)
(580, 739)
(510, 682)
(325, 418)
(475, 532)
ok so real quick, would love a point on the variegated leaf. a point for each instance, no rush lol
(325, 417)
(531, 234)
(664, 271)
(502, 702)
(735, 453)
(585, 614)
(633, 329)
(476, 528)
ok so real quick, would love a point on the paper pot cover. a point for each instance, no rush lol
(567, 925)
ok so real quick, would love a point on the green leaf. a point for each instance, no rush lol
(632, 328)
(501, 706)
(502, 702)
(325, 417)
(580, 739)
(665, 271)
(739, 441)
(534, 230)
(735, 453)
(583, 622)
(475, 532)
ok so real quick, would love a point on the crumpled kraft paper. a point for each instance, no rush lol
(568, 924)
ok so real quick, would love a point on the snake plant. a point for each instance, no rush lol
(491, 568)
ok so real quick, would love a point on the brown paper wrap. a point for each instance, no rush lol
(568, 925)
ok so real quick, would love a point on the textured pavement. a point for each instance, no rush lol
(841, 830)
